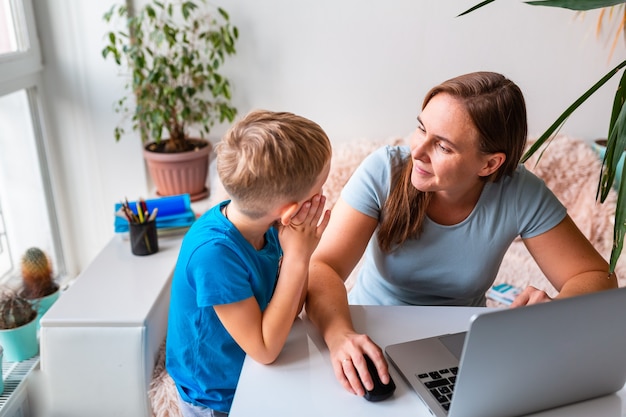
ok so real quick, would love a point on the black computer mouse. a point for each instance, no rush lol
(380, 391)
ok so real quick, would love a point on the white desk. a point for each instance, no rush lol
(301, 382)
(99, 342)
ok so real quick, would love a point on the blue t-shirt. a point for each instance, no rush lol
(216, 265)
(446, 265)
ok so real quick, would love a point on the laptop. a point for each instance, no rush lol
(518, 361)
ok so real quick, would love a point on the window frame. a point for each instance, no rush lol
(22, 70)
(18, 67)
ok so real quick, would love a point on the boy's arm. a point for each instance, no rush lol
(262, 335)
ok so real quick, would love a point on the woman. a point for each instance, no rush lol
(435, 221)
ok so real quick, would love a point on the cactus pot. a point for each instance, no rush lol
(44, 303)
(21, 342)
(1, 374)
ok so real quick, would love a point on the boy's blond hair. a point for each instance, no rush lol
(268, 157)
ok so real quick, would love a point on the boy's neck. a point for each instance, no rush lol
(253, 230)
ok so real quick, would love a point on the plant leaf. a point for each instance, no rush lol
(223, 13)
(615, 149)
(618, 102)
(576, 4)
(563, 117)
(619, 227)
(478, 6)
(616, 143)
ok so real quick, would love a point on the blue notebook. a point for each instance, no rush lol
(174, 212)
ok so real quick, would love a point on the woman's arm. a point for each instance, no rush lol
(569, 261)
(338, 252)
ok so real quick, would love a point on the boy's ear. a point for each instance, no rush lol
(287, 212)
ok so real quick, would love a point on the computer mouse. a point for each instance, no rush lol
(380, 391)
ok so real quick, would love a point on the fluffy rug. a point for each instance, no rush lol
(569, 167)
(162, 391)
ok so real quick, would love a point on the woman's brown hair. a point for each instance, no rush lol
(497, 108)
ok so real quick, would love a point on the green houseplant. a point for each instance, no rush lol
(18, 327)
(173, 52)
(616, 139)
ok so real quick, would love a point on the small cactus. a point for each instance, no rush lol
(15, 311)
(37, 274)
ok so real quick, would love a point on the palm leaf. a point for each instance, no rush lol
(564, 4)
(615, 148)
(563, 117)
(478, 6)
(576, 4)
(618, 101)
(616, 143)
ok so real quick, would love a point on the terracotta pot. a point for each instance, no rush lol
(180, 173)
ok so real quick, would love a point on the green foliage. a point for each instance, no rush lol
(617, 125)
(15, 311)
(174, 51)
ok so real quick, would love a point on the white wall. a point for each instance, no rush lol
(359, 68)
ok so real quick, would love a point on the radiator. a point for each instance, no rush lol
(14, 399)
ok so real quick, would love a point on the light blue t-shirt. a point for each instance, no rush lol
(216, 265)
(446, 265)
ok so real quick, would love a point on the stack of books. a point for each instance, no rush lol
(503, 293)
(174, 214)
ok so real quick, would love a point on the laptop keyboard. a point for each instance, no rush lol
(440, 384)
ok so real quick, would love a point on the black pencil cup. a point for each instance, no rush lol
(143, 238)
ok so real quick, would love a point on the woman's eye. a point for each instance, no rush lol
(443, 148)
(421, 128)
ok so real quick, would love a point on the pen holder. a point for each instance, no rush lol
(143, 238)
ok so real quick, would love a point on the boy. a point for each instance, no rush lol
(242, 272)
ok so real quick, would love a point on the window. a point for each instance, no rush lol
(27, 211)
(8, 41)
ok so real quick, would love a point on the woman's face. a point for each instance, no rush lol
(444, 149)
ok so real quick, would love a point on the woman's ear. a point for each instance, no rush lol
(494, 161)
(287, 212)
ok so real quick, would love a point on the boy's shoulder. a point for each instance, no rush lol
(209, 226)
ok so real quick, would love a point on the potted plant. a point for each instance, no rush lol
(18, 327)
(173, 52)
(616, 139)
(38, 284)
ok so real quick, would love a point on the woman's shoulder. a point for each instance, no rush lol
(526, 189)
(395, 150)
(522, 184)
(381, 162)
(521, 175)
(527, 178)
(388, 155)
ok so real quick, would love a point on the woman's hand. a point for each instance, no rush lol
(530, 295)
(346, 355)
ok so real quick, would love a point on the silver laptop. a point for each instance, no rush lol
(513, 362)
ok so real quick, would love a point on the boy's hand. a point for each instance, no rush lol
(304, 231)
